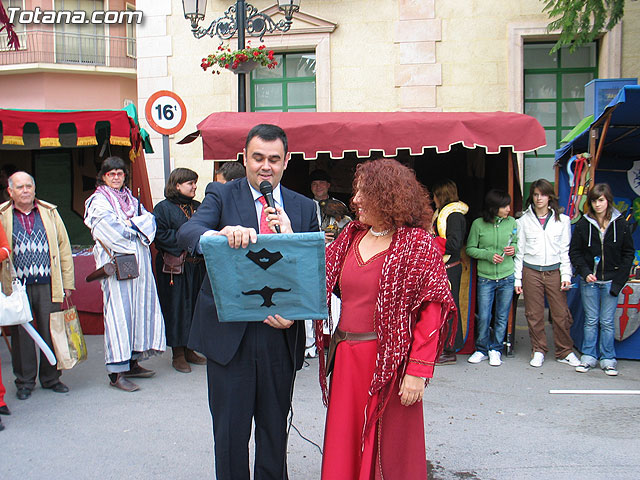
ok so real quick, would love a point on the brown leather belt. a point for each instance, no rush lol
(340, 336)
(354, 337)
(193, 259)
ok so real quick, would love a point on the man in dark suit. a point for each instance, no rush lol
(250, 365)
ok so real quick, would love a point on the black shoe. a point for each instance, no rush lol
(23, 393)
(137, 371)
(58, 387)
(1, 426)
(4, 410)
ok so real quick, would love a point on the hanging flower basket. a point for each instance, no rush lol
(239, 61)
(245, 67)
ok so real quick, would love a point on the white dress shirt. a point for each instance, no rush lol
(277, 198)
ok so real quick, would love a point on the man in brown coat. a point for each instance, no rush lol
(43, 261)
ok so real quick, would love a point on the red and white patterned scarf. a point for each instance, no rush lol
(413, 273)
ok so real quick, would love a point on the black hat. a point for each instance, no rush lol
(319, 175)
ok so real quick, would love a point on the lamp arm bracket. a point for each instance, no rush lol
(225, 27)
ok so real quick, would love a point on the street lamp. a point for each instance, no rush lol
(239, 18)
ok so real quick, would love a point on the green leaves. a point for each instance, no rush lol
(581, 21)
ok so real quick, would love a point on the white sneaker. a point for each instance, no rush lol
(310, 352)
(570, 359)
(495, 358)
(583, 368)
(537, 360)
(477, 357)
(611, 371)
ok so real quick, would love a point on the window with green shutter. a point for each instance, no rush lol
(290, 87)
(554, 94)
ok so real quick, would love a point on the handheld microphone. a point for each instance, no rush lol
(266, 189)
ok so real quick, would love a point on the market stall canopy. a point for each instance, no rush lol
(63, 128)
(623, 132)
(309, 133)
(35, 129)
(615, 160)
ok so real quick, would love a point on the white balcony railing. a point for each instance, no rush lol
(70, 48)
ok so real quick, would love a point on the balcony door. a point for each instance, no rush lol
(85, 43)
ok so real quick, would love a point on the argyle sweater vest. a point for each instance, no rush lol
(31, 252)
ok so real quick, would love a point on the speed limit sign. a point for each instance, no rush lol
(165, 112)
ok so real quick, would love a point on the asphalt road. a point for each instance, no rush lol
(481, 422)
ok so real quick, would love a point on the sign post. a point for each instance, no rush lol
(166, 114)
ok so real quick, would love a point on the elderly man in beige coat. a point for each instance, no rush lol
(42, 258)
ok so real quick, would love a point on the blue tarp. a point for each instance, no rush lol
(622, 144)
(619, 166)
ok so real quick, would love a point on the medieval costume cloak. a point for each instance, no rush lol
(132, 316)
(177, 293)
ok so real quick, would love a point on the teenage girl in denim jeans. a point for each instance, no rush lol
(602, 253)
(492, 241)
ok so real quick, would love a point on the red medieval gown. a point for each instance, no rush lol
(395, 449)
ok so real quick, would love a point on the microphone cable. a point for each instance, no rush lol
(291, 413)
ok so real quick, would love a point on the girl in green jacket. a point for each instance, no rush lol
(492, 241)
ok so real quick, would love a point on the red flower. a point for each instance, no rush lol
(226, 58)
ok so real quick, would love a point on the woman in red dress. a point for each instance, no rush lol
(395, 302)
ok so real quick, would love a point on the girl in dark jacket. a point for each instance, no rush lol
(601, 253)
(178, 293)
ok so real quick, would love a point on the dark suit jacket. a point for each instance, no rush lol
(233, 204)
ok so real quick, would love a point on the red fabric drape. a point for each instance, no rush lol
(13, 122)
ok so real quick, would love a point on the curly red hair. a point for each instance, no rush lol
(392, 191)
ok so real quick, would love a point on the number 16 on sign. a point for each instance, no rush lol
(166, 114)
